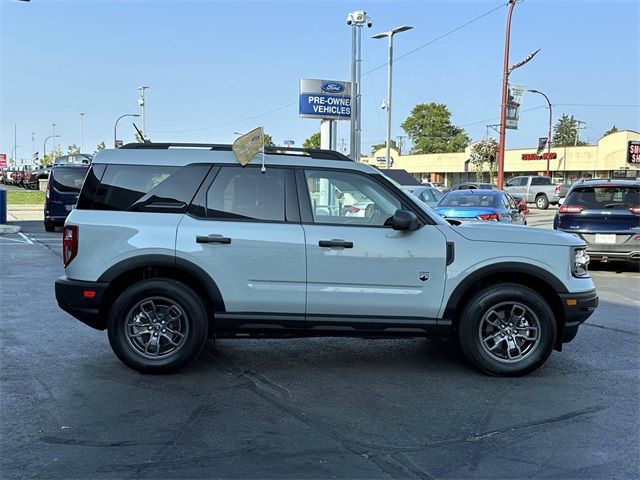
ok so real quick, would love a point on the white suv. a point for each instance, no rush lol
(169, 246)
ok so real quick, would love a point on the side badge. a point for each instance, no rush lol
(423, 276)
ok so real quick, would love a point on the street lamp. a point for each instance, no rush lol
(550, 126)
(115, 127)
(53, 125)
(387, 103)
(44, 146)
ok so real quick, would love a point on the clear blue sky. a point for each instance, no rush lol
(214, 63)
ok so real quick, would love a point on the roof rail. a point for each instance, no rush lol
(307, 152)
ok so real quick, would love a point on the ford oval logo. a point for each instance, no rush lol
(332, 87)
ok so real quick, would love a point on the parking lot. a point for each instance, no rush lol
(309, 408)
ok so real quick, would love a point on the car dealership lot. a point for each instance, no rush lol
(308, 408)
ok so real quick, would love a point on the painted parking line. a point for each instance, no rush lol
(19, 239)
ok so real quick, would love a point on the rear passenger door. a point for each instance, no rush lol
(243, 228)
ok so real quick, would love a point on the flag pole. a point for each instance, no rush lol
(263, 170)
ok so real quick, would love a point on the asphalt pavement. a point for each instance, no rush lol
(307, 408)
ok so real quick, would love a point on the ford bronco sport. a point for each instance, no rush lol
(169, 246)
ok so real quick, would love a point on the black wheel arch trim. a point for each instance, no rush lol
(511, 268)
(167, 261)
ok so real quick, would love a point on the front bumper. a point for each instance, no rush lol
(82, 300)
(577, 307)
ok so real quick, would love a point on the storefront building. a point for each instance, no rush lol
(614, 156)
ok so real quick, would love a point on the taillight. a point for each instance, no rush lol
(558, 190)
(570, 209)
(635, 209)
(353, 210)
(69, 243)
(48, 191)
(489, 216)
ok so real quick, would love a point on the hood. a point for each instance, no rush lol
(510, 233)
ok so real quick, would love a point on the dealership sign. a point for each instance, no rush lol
(536, 156)
(325, 99)
(633, 152)
(3, 160)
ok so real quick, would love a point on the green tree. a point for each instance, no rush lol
(378, 146)
(313, 141)
(49, 158)
(613, 129)
(430, 130)
(483, 155)
(73, 149)
(268, 141)
(565, 132)
(99, 147)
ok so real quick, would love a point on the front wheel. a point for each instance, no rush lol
(542, 202)
(507, 330)
(157, 326)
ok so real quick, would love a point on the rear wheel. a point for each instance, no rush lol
(49, 227)
(542, 202)
(157, 326)
(507, 330)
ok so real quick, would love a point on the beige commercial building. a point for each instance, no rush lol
(615, 156)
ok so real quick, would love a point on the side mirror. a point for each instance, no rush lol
(404, 220)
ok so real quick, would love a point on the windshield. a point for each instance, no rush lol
(598, 198)
(468, 200)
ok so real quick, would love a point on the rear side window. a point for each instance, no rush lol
(247, 194)
(540, 181)
(142, 187)
(68, 180)
(604, 197)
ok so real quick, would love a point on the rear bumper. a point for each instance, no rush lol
(620, 254)
(75, 298)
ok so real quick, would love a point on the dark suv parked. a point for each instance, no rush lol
(606, 215)
(65, 182)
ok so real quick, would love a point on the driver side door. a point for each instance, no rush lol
(361, 273)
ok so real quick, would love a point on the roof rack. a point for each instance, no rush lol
(307, 152)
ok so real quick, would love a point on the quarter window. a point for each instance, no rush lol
(247, 194)
(348, 198)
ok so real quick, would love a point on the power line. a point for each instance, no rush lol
(440, 37)
(228, 123)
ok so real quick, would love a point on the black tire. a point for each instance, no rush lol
(128, 326)
(475, 323)
(542, 202)
(49, 227)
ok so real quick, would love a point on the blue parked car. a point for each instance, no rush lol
(63, 188)
(605, 214)
(474, 205)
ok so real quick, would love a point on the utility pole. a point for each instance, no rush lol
(15, 143)
(81, 132)
(400, 143)
(578, 128)
(33, 145)
(53, 126)
(141, 103)
(356, 20)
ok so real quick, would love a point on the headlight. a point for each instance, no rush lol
(580, 263)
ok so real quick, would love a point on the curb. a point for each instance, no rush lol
(9, 229)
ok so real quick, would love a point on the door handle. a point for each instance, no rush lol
(335, 243)
(213, 239)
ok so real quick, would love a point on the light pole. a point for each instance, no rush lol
(81, 132)
(141, 103)
(356, 20)
(550, 126)
(44, 146)
(53, 127)
(387, 103)
(115, 127)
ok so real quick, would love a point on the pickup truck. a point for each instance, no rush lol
(534, 189)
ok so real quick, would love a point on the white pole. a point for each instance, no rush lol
(354, 93)
(81, 132)
(389, 90)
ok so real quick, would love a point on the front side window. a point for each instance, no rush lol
(348, 198)
(239, 193)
